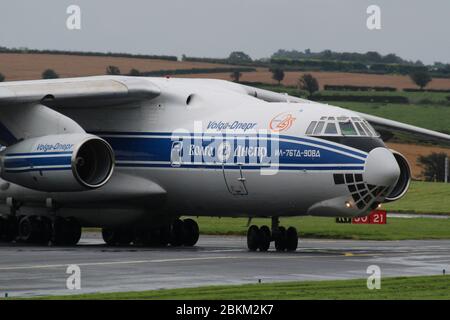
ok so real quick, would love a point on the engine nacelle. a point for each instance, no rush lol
(402, 185)
(65, 162)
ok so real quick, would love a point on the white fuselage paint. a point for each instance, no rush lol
(141, 135)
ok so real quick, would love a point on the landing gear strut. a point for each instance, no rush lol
(260, 238)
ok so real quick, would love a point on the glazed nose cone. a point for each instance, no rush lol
(381, 168)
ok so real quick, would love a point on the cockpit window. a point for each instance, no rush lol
(360, 129)
(331, 128)
(372, 130)
(319, 128)
(347, 129)
(341, 126)
(310, 129)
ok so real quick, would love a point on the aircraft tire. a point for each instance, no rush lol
(253, 238)
(8, 228)
(74, 234)
(177, 233)
(46, 230)
(164, 236)
(109, 236)
(123, 237)
(291, 239)
(30, 229)
(191, 232)
(265, 237)
(59, 231)
(65, 231)
(280, 239)
(142, 237)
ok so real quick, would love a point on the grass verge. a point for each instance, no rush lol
(318, 227)
(400, 288)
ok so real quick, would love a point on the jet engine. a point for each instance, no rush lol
(402, 184)
(54, 163)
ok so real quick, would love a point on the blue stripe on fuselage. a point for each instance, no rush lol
(156, 147)
(36, 162)
(316, 141)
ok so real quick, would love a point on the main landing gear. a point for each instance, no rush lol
(179, 233)
(259, 238)
(40, 230)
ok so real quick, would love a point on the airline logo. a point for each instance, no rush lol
(281, 122)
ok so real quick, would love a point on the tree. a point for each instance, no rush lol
(236, 76)
(49, 74)
(433, 166)
(113, 70)
(134, 73)
(277, 74)
(239, 57)
(421, 78)
(308, 83)
(2, 77)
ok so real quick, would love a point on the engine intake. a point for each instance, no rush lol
(404, 180)
(67, 162)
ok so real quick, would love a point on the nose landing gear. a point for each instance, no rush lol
(260, 238)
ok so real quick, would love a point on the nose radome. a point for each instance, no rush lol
(381, 168)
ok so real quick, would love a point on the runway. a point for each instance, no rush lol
(33, 271)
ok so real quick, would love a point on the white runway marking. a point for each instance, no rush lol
(49, 266)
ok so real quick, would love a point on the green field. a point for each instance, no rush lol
(414, 97)
(317, 227)
(432, 117)
(402, 288)
(424, 197)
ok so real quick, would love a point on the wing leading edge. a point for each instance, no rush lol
(89, 91)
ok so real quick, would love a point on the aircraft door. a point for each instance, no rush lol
(235, 180)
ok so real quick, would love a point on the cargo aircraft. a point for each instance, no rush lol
(132, 155)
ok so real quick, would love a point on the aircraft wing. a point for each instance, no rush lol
(383, 124)
(80, 92)
(31, 108)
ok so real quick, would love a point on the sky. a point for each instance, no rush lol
(413, 29)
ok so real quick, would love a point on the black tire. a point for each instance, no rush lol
(164, 236)
(191, 232)
(280, 239)
(59, 231)
(142, 237)
(29, 229)
(3, 223)
(9, 228)
(74, 232)
(46, 230)
(253, 238)
(124, 237)
(266, 237)
(291, 239)
(177, 233)
(109, 236)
